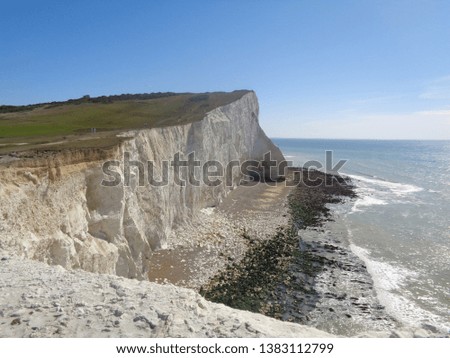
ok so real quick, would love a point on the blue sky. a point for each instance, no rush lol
(321, 69)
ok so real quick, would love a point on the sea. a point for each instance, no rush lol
(399, 224)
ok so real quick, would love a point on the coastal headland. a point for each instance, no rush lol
(77, 255)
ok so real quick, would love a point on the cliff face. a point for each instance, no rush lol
(55, 209)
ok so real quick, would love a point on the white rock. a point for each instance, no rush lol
(180, 312)
(70, 219)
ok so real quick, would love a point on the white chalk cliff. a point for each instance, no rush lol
(55, 210)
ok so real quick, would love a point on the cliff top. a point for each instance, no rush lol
(94, 121)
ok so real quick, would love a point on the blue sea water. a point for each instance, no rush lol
(399, 224)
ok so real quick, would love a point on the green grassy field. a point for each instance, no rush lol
(69, 122)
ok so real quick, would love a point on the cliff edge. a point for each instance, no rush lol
(47, 301)
(56, 210)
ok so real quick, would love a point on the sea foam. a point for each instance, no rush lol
(388, 282)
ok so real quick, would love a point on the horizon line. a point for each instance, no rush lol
(372, 139)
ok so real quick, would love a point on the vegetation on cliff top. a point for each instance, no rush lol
(59, 125)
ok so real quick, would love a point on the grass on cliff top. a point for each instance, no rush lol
(59, 125)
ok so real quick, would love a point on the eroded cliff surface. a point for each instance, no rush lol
(54, 208)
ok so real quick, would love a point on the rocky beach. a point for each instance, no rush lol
(302, 273)
(272, 248)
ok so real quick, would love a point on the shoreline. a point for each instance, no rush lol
(279, 259)
(293, 275)
(306, 274)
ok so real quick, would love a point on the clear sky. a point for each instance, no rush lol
(322, 69)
